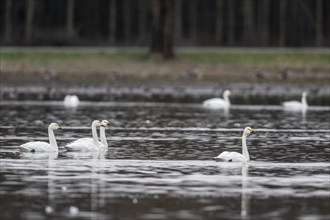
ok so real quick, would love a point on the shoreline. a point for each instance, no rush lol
(242, 93)
(256, 76)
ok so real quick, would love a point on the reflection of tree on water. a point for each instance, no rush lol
(245, 198)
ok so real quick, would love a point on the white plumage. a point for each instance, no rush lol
(71, 101)
(90, 144)
(103, 138)
(234, 156)
(40, 146)
(218, 103)
(296, 105)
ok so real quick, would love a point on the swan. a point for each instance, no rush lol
(104, 141)
(296, 105)
(40, 146)
(71, 101)
(218, 103)
(234, 156)
(87, 144)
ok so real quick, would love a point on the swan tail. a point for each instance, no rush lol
(25, 149)
(70, 148)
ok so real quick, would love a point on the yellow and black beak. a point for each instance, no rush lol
(251, 130)
(58, 127)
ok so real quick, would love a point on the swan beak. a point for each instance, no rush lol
(251, 131)
(59, 127)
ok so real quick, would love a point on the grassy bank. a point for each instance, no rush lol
(30, 65)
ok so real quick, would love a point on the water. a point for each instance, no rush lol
(159, 164)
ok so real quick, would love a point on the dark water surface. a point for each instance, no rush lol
(159, 163)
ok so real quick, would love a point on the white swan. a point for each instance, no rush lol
(40, 146)
(71, 101)
(296, 105)
(103, 138)
(87, 144)
(218, 103)
(234, 156)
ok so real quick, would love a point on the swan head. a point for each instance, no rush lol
(105, 123)
(54, 126)
(96, 123)
(248, 131)
(304, 94)
(226, 93)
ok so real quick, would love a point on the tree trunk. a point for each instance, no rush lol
(248, 23)
(162, 28)
(319, 16)
(264, 22)
(70, 19)
(193, 22)
(143, 21)
(231, 23)
(29, 19)
(112, 22)
(127, 20)
(282, 37)
(8, 21)
(219, 22)
(178, 20)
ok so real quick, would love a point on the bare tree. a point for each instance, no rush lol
(178, 19)
(319, 15)
(8, 21)
(231, 23)
(143, 21)
(219, 22)
(264, 22)
(112, 22)
(282, 37)
(70, 32)
(248, 22)
(193, 20)
(162, 28)
(127, 20)
(29, 19)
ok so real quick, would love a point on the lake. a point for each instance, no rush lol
(160, 163)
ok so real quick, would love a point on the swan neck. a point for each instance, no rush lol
(304, 100)
(52, 140)
(245, 151)
(95, 137)
(226, 98)
(103, 137)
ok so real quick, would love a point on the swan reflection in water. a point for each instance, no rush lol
(57, 185)
(245, 197)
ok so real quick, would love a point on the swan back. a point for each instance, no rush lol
(40, 146)
(234, 156)
(296, 105)
(218, 103)
(86, 144)
(231, 157)
(71, 101)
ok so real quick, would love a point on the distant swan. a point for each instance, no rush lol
(71, 101)
(103, 138)
(40, 146)
(234, 156)
(87, 144)
(218, 103)
(296, 105)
